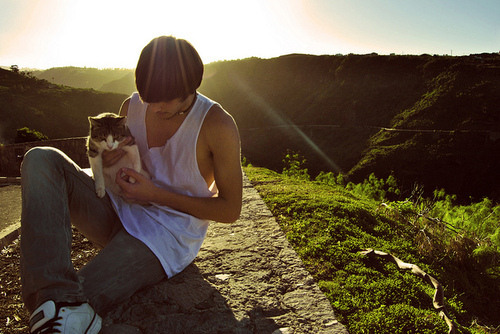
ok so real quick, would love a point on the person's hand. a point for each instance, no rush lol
(140, 190)
(109, 158)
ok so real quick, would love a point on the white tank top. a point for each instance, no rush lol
(174, 237)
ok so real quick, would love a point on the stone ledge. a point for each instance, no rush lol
(9, 234)
(6, 180)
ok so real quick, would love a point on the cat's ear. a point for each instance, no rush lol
(123, 120)
(92, 121)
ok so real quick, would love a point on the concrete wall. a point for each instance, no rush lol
(11, 156)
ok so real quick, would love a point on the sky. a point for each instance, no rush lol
(111, 34)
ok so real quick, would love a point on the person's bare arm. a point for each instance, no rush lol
(224, 144)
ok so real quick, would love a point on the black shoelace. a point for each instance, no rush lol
(48, 327)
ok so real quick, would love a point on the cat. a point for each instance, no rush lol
(107, 131)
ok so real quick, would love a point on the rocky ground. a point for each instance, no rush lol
(246, 279)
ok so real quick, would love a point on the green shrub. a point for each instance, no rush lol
(294, 165)
(330, 178)
(28, 135)
(480, 219)
(245, 162)
(376, 189)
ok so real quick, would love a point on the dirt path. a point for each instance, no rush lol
(246, 279)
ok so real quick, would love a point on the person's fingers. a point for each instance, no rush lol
(126, 141)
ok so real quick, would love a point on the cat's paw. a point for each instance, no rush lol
(100, 191)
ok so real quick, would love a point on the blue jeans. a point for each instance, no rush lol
(55, 194)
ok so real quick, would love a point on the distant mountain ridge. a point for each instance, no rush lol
(337, 111)
(86, 77)
(56, 111)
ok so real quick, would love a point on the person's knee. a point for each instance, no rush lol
(38, 158)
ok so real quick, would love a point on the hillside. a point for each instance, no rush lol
(82, 77)
(321, 106)
(123, 85)
(333, 110)
(462, 102)
(56, 111)
(336, 111)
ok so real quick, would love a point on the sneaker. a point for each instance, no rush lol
(67, 318)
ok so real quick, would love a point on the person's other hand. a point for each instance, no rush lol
(135, 186)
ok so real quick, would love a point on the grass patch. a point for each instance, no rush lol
(328, 225)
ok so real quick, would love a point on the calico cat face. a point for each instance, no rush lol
(107, 130)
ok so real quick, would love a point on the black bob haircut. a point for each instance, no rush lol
(168, 68)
